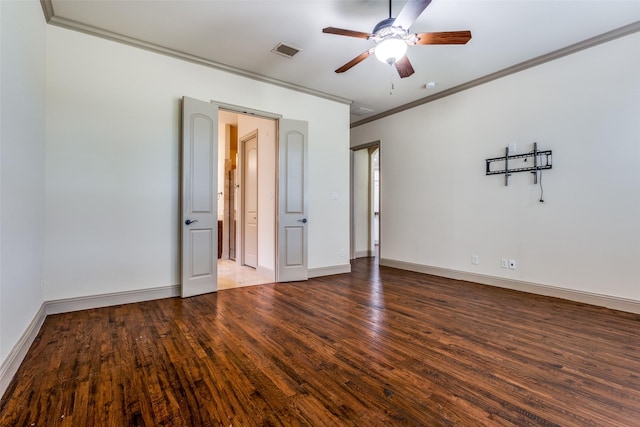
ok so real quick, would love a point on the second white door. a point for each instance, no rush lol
(250, 200)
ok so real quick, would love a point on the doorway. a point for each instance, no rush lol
(247, 162)
(365, 200)
(282, 174)
(375, 194)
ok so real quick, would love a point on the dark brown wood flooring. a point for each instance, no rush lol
(371, 348)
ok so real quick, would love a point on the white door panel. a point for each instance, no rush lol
(199, 197)
(294, 237)
(292, 201)
(201, 259)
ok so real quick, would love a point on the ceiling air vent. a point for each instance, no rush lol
(285, 50)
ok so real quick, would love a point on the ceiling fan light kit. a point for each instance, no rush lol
(391, 50)
(392, 38)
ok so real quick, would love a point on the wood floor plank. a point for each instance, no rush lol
(375, 347)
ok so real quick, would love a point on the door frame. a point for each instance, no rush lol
(280, 121)
(240, 242)
(240, 196)
(368, 146)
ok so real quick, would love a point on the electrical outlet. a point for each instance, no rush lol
(342, 253)
(475, 260)
(512, 264)
(504, 263)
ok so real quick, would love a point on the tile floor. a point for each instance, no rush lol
(231, 275)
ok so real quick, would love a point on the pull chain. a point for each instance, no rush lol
(391, 79)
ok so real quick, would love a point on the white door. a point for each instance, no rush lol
(250, 205)
(199, 197)
(292, 201)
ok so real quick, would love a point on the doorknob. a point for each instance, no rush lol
(303, 220)
(189, 222)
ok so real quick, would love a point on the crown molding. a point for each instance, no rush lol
(47, 9)
(626, 30)
(69, 24)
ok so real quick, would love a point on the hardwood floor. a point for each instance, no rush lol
(374, 347)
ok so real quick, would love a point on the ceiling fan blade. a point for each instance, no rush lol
(404, 67)
(354, 61)
(447, 37)
(410, 12)
(343, 32)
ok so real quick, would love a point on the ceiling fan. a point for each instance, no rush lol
(392, 37)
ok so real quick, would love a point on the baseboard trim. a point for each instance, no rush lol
(328, 271)
(616, 303)
(14, 359)
(67, 305)
(363, 254)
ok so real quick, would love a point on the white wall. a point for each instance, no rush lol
(22, 151)
(266, 188)
(439, 207)
(113, 155)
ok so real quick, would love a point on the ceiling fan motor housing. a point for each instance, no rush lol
(385, 30)
(383, 24)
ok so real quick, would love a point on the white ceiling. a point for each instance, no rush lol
(241, 34)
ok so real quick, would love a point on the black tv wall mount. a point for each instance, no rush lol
(541, 160)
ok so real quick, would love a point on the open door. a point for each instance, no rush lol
(292, 201)
(199, 197)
